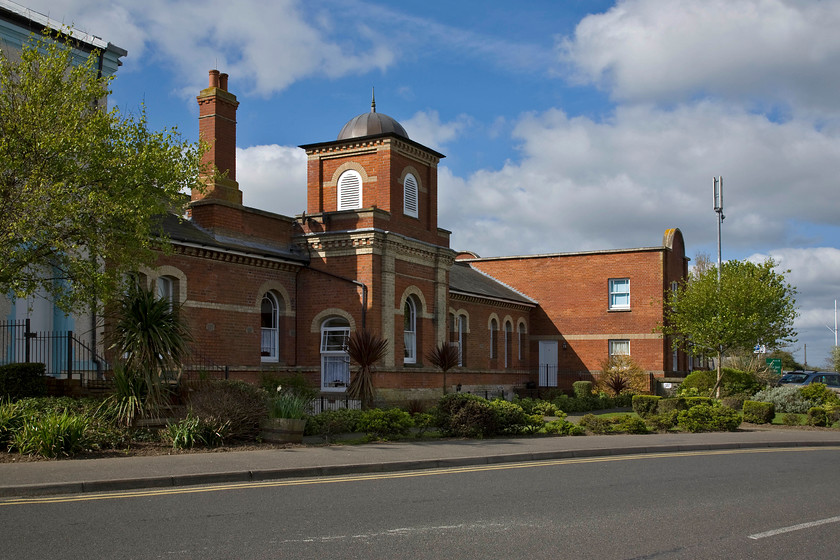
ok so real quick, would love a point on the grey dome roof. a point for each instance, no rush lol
(368, 124)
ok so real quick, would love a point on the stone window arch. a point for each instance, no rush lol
(335, 362)
(411, 196)
(349, 194)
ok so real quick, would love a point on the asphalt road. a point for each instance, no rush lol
(734, 504)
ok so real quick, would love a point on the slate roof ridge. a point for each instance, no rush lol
(511, 288)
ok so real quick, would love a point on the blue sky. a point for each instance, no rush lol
(567, 126)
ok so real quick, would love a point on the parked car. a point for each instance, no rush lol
(802, 378)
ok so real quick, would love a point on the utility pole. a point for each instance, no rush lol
(718, 194)
(834, 330)
(718, 206)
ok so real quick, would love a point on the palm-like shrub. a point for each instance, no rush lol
(151, 338)
(444, 357)
(364, 348)
(621, 374)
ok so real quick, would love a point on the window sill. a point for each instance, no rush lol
(619, 310)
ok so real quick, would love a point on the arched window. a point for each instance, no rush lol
(165, 286)
(508, 343)
(521, 333)
(410, 196)
(494, 339)
(335, 363)
(349, 190)
(269, 321)
(458, 336)
(410, 331)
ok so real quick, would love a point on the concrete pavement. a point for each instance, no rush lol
(100, 475)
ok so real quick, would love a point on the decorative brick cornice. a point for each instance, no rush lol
(210, 253)
(495, 302)
(378, 242)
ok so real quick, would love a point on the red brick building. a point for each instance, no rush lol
(266, 292)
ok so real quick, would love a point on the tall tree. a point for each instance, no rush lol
(80, 186)
(752, 305)
(834, 359)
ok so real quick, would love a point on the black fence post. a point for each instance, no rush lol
(26, 336)
(70, 356)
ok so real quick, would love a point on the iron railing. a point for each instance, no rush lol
(62, 352)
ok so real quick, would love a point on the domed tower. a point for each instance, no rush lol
(371, 218)
(374, 175)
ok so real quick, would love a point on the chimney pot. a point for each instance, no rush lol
(214, 78)
(223, 81)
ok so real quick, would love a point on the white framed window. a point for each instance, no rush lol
(619, 348)
(410, 331)
(410, 196)
(335, 362)
(269, 331)
(619, 293)
(349, 190)
(494, 339)
(462, 339)
(165, 286)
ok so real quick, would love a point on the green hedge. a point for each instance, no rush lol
(759, 412)
(623, 424)
(707, 418)
(645, 405)
(733, 381)
(582, 389)
(18, 381)
(382, 424)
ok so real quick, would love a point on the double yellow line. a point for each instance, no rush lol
(386, 476)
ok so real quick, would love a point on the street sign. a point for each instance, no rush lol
(774, 365)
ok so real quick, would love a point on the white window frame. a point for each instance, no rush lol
(619, 293)
(411, 196)
(616, 344)
(335, 362)
(165, 286)
(462, 338)
(410, 331)
(349, 192)
(269, 335)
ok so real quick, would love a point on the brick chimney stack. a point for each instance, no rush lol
(217, 127)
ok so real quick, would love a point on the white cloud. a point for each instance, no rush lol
(764, 50)
(266, 44)
(272, 178)
(425, 127)
(582, 184)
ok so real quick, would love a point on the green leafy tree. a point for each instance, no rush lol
(788, 361)
(80, 185)
(834, 360)
(752, 304)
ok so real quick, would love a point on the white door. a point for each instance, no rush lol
(548, 363)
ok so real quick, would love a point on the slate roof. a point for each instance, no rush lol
(465, 279)
(186, 231)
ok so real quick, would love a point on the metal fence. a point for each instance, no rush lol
(62, 352)
(328, 402)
